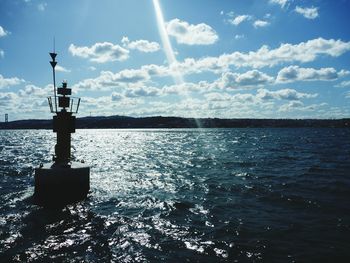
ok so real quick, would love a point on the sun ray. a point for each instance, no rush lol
(169, 52)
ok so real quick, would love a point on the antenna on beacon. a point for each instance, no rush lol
(53, 65)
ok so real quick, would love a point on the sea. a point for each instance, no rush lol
(183, 195)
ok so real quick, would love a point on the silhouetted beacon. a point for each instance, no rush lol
(63, 181)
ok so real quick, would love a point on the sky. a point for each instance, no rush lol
(188, 58)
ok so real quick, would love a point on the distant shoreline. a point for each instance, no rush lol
(123, 122)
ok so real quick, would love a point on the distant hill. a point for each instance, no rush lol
(177, 122)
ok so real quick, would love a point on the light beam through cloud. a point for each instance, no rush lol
(169, 52)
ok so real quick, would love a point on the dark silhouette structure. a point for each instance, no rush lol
(63, 181)
(6, 117)
(64, 124)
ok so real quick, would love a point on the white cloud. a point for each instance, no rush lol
(137, 92)
(191, 65)
(140, 45)
(265, 57)
(283, 94)
(259, 104)
(100, 52)
(252, 78)
(344, 84)
(239, 36)
(239, 19)
(34, 91)
(3, 32)
(343, 73)
(295, 73)
(302, 52)
(116, 102)
(108, 79)
(27, 102)
(185, 33)
(292, 105)
(2, 53)
(261, 23)
(264, 99)
(125, 76)
(244, 98)
(117, 96)
(42, 6)
(307, 12)
(185, 88)
(156, 70)
(142, 92)
(215, 96)
(8, 99)
(7, 82)
(282, 3)
(231, 14)
(62, 69)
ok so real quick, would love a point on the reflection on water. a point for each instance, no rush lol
(251, 195)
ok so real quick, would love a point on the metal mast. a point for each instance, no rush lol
(53, 65)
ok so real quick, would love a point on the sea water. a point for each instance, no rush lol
(177, 195)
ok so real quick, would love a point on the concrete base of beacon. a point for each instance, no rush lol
(57, 185)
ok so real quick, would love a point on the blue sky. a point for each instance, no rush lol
(191, 58)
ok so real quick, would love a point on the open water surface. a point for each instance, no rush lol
(195, 195)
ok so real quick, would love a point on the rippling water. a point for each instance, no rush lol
(209, 195)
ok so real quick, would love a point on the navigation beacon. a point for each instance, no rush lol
(63, 181)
